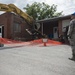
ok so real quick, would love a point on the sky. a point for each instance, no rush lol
(67, 6)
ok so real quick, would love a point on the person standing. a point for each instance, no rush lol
(71, 35)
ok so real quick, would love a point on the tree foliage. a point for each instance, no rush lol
(42, 11)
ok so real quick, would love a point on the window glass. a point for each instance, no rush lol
(17, 27)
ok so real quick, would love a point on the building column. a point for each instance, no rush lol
(60, 28)
(42, 28)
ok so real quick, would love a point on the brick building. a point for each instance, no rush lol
(13, 26)
(54, 27)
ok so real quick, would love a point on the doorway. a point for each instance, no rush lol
(55, 32)
(1, 31)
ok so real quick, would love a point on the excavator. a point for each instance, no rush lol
(30, 21)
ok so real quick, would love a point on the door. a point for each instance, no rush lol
(55, 32)
(0, 31)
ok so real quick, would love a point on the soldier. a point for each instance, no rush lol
(71, 36)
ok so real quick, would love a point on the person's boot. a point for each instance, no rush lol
(73, 58)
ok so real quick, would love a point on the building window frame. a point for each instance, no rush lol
(17, 27)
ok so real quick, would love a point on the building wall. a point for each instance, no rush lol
(60, 28)
(65, 23)
(11, 22)
(22, 33)
(3, 22)
(62, 25)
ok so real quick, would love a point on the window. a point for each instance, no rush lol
(17, 27)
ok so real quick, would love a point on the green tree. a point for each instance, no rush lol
(42, 11)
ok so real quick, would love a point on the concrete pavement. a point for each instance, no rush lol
(36, 60)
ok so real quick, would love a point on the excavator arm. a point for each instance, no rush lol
(13, 8)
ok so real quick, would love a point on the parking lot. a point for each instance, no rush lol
(36, 60)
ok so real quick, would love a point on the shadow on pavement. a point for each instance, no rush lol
(3, 48)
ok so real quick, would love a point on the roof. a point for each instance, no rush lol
(54, 19)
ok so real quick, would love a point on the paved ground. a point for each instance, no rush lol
(36, 60)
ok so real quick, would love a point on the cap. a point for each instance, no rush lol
(73, 14)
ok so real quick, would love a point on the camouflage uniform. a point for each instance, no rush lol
(71, 38)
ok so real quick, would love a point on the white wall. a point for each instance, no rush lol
(64, 24)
